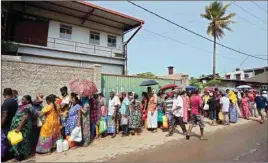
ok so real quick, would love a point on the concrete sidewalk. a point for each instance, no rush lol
(106, 148)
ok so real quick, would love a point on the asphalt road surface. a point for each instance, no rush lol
(244, 143)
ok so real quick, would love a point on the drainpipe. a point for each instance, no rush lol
(125, 48)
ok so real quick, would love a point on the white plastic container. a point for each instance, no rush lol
(59, 146)
(65, 145)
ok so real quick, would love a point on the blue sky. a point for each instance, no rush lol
(148, 52)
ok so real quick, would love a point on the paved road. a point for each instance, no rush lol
(246, 143)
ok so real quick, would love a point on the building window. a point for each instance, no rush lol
(228, 76)
(246, 76)
(111, 41)
(94, 38)
(65, 32)
(238, 77)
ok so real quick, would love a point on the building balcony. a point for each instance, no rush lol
(72, 46)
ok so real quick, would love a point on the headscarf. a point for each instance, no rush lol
(232, 97)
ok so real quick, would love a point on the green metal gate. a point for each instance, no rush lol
(119, 83)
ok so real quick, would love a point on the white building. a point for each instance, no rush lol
(73, 33)
(238, 74)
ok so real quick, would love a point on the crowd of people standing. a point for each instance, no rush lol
(44, 121)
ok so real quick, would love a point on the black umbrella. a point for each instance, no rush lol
(148, 83)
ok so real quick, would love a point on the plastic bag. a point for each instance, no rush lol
(14, 137)
(206, 107)
(221, 118)
(76, 134)
(102, 126)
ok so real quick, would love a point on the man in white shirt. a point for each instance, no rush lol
(177, 114)
(114, 104)
(225, 103)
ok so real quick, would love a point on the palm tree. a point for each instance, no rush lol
(218, 22)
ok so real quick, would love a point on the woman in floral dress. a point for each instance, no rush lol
(85, 121)
(135, 115)
(22, 122)
(74, 116)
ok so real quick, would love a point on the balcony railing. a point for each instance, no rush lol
(64, 44)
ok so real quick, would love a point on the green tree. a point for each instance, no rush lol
(146, 75)
(218, 22)
(212, 83)
(195, 82)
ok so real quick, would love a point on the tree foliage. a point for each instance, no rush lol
(215, 13)
(146, 75)
(212, 83)
(195, 82)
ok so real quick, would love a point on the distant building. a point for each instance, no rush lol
(238, 74)
(176, 76)
(73, 33)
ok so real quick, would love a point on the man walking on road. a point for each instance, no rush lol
(196, 116)
(225, 103)
(177, 114)
(261, 101)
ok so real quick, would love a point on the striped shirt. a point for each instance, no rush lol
(169, 104)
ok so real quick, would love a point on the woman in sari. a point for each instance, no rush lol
(103, 108)
(50, 130)
(233, 110)
(245, 106)
(144, 103)
(135, 115)
(22, 122)
(94, 115)
(85, 121)
(74, 116)
(160, 108)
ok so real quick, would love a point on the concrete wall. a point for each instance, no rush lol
(30, 78)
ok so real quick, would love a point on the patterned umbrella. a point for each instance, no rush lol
(83, 87)
(169, 86)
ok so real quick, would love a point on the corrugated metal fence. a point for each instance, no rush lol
(119, 83)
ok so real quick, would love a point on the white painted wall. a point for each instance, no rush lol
(242, 74)
(80, 40)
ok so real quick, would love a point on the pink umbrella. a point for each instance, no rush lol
(83, 87)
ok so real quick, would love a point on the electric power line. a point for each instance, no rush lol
(184, 43)
(249, 13)
(259, 6)
(153, 13)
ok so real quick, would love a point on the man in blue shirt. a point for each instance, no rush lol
(261, 102)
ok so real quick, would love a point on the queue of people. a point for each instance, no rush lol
(43, 122)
